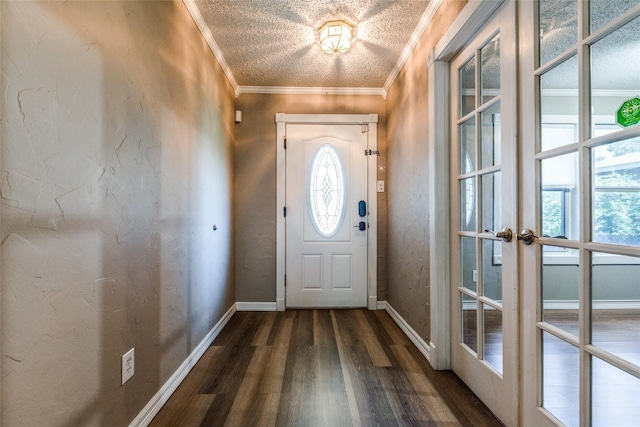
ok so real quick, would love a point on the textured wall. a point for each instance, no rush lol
(117, 148)
(408, 197)
(256, 184)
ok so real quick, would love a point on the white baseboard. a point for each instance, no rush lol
(596, 305)
(256, 306)
(421, 344)
(160, 398)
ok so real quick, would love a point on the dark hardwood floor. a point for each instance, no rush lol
(319, 368)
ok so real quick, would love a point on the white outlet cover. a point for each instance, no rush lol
(128, 365)
(380, 186)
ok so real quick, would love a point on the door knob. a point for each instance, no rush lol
(361, 226)
(506, 234)
(527, 236)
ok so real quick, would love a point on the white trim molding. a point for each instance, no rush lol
(160, 398)
(326, 118)
(415, 338)
(633, 304)
(206, 33)
(439, 229)
(427, 16)
(256, 306)
(293, 90)
(469, 21)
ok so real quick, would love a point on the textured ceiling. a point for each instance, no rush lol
(274, 42)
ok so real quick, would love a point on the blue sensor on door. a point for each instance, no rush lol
(362, 208)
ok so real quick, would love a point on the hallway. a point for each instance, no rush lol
(322, 368)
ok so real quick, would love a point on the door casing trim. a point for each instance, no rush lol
(282, 120)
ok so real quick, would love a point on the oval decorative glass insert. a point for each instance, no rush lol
(326, 191)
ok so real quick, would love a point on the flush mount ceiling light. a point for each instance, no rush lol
(335, 37)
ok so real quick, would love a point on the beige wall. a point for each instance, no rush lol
(256, 184)
(117, 160)
(408, 196)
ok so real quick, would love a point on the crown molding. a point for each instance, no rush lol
(292, 90)
(425, 20)
(206, 33)
(427, 16)
(470, 19)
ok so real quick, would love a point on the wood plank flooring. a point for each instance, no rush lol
(319, 368)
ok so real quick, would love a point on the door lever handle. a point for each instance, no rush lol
(362, 226)
(506, 234)
(527, 236)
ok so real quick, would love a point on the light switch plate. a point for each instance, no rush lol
(128, 365)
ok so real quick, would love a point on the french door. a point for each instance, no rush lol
(581, 212)
(483, 208)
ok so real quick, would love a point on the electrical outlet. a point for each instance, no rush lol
(128, 365)
(380, 186)
(475, 276)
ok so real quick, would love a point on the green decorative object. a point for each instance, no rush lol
(629, 113)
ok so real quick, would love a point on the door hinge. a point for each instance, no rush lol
(364, 127)
(284, 211)
(285, 280)
(371, 152)
(285, 142)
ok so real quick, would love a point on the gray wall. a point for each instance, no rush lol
(408, 197)
(609, 283)
(255, 186)
(117, 148)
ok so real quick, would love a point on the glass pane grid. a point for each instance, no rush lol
(560, 379)
(586, 342)
(559, 107)
(491, 147)
(468, 146)
(468, 264)
(468, 204)
(492, 337)
(601, 12)
(616, 192)
(469, 333)
(612, 86)
(467, 76)
(615, 395)
(490, 71)
(615, 311)
(558, 27)
(560, 197)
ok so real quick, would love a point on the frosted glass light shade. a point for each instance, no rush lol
(335, 37)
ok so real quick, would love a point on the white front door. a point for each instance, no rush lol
(327, 215)
(581, 199)
(484, 321)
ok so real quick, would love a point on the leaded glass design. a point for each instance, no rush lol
(326, 191)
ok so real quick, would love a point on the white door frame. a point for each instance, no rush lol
(464, 27)
(371, 120)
